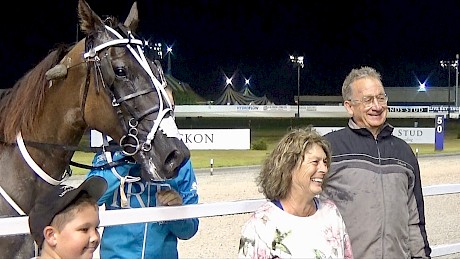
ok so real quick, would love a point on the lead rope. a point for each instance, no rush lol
(123, 180)
(128, 178)
(144, 242)
(36, 250)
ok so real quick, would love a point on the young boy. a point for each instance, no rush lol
(64, 221)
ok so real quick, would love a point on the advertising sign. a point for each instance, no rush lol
(439, 132)
(410, 135)
(203, 139)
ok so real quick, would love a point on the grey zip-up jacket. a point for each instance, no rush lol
(376, 185)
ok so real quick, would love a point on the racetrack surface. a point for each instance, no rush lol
(218, 237)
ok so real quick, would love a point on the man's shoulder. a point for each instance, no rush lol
(336, 133)
(399, 142)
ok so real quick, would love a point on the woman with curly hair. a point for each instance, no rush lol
(295, 222)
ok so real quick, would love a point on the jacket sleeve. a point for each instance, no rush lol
(186, 181)
(418, 240)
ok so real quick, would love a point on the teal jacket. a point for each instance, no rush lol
(127, 241)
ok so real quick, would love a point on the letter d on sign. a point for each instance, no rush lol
(439, 133)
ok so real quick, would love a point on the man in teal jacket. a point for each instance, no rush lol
(127, 190)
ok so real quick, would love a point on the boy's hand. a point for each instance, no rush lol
(168, 198)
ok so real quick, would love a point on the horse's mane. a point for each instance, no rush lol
(20, 104)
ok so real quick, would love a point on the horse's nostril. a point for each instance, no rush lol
(174, 160)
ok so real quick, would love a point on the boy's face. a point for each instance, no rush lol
(80, 236)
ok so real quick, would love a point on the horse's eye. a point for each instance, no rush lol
(120, 71)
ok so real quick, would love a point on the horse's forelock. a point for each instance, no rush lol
(111, 21)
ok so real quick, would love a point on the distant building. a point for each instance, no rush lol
(396, 96)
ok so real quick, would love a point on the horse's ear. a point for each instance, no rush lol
(89, 20)
(132, 21)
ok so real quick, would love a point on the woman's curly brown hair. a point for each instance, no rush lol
(275, 177)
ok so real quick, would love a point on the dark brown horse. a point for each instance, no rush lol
(104, 82)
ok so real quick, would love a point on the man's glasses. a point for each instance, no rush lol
(369, 100)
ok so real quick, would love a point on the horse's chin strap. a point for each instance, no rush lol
(37, 169)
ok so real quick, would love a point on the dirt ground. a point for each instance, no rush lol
(218, 237)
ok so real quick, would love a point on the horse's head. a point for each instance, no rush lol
(129, 91)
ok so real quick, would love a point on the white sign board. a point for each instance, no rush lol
(203, 139)
(212, 139)
(95, 138)
(410, 135)
(240, 139)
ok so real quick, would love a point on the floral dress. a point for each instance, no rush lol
(274, 233)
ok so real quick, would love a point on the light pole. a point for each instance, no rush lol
(168, 52)
(456, 80)
(298, 62)
(449, 64)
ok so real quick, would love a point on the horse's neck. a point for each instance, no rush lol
(19, 183)
(60, 122)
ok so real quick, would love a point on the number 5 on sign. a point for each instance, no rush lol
(439, 133)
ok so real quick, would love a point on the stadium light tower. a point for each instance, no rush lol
(448, 64)
(456, 80)
(298, 62)
(169, 52)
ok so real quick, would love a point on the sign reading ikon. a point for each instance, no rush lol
(212, 139)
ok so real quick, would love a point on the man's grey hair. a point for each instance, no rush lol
(356, 74)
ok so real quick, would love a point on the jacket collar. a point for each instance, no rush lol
(385, 131)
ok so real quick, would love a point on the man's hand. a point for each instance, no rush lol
(168, 198)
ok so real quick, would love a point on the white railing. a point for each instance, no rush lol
(19, 225)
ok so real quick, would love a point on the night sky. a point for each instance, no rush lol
(404, 40)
